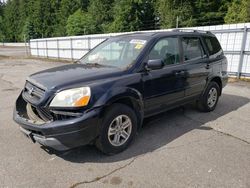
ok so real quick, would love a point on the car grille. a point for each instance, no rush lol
(33, 93)
(46, 115)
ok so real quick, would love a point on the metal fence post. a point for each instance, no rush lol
(29, 49)
(26, 48)
(46, 46)
(37, 48)
(71, 49)
(57, 45)
(89, 44)
(243, 45)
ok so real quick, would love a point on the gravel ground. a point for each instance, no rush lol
(179, 148)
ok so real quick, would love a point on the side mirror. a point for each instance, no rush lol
(154, 64)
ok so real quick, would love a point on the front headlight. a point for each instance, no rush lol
(76, 97)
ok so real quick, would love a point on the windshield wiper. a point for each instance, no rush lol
(98, 64)
(77, 62)
(94, 64)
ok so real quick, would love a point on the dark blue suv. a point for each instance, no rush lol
(104, 97)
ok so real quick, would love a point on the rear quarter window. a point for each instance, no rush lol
(213, 46)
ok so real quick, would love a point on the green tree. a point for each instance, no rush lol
(28, 30)
(84, 5)
(1, 8)
(42, 16)
(100, 13)
(207, 12)
(11, 21)
(50, 18)
(238, 12)
(148, 15)
(133, 15)
(169, 10)
(79, 23)
(67, 8)
(1, 29)
(1, 22)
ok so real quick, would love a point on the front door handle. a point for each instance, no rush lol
(180, 73)
(208, 66)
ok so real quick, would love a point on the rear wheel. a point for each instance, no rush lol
(117, 130)
(210, 97)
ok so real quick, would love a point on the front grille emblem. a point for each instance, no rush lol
(30, 91)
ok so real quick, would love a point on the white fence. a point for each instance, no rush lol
(234, 38)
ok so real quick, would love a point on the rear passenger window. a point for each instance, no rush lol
(213, 45)
(192, 48)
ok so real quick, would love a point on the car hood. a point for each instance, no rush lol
(73, 74)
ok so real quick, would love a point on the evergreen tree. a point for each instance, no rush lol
(148, 15)
(207, 12)
(1, 8)
(84, 5)
(1, 22)
(133, 15)
(67, 8)
(28, 30)
(169, 10)
(48, 16)
(21, 19)
(100, 14)
(79, 23)
(238, 12)
(1, 29)
(11, 21)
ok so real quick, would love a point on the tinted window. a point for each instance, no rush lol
(192, 49)
(167, 50)
(213, 45)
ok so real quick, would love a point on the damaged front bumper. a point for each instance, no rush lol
(48, 142)
(59, 134)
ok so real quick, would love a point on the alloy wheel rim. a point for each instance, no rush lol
(119, 130)
(212, 97)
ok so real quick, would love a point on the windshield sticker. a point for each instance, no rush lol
(138, 46)
(137, 41)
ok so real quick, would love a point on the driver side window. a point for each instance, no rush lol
(166, 49)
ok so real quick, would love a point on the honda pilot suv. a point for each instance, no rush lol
(104, 97)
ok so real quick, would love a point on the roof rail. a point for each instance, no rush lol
(191, 30)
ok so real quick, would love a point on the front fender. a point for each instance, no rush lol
(112, 95)
(117, 93)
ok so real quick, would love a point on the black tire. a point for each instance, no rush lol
(203, 104)
(103, 142)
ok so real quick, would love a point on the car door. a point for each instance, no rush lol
(164, 87)
(196, 65)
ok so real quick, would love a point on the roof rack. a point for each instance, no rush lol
(191, 30)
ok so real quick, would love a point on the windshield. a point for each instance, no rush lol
(117, 52)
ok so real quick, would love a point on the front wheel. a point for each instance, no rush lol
(210, 97)
(117, 130)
